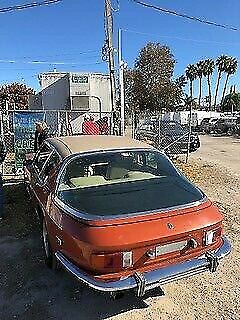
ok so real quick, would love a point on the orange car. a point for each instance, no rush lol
(119, 216)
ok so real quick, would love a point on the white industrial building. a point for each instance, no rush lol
(73, 91)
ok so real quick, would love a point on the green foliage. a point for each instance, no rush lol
(15, 96)
(189, 102)
(208, 67)
(149, 85)
(221, 63)
(191, 73)
(231, 102)
(225, 65)
(200, 68)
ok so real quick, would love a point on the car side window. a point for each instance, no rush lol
(41, 157)
(151, 160)
(50, 164)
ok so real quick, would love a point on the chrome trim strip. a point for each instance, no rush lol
(153, 278)
(87, 217)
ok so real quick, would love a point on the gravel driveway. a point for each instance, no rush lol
(31, 291)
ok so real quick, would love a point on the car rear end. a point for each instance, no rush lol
(130, 220)
(125, 254)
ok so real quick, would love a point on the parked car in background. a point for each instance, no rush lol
(170, 136)
(204, 124)
(225, 125)
(237, 126)
(119, 216)
(207, 124)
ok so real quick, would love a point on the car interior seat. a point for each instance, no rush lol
(116, 172)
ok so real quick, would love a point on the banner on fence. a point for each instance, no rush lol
(24, 131)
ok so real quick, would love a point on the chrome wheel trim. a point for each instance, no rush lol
(45, 239)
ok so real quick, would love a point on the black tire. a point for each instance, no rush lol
(50, 258)
(27, 188)
(116, 295)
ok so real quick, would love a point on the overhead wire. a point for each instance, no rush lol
(182, 15)
(116, 7)
(179, 38)
(29, 5)
(57, 55)
(47, 62)
(37, 68)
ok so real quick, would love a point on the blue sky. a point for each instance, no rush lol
(70, 35)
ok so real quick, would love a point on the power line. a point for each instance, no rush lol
(180, 38)
(28, 5)
(48, 62)
(32, 60)
(56, 55)
(182, 15)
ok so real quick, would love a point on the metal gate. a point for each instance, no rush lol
(60, 123)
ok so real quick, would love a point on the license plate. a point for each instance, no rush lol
(171, 247)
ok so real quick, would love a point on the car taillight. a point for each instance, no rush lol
(211, 236)
(112, 260)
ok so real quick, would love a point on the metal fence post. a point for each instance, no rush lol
(2, 137)
(59, 124)
(189, 133)
(159, 131)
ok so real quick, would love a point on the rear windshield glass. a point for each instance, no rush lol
(119, 183)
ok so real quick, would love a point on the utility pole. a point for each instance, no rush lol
(121, 82)
(109, 39)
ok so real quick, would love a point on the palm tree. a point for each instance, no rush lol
(200, 66)
(191, 75)
(189, 102)
(221, 67)
(208, 68)
(231, 68)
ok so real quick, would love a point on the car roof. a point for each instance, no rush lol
(68, 145)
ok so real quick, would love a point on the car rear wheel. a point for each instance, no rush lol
(50, 258)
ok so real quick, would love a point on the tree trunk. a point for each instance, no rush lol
(191, 88)
(209, 91)
(217, 87)
(200, 91)
(225, 87)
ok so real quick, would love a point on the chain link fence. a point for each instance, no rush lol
(169, 136)
(60, 123)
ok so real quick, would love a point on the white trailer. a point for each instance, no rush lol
(88, 92)
(197, 116)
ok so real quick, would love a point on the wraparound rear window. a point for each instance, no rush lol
(121, 183)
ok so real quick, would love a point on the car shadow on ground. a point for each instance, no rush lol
(29, 290)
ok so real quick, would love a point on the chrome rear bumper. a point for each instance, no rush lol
(151, 279)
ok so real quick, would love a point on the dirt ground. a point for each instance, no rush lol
(31, 291)
(221, 150)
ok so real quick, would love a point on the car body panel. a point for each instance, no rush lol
(152, 240)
